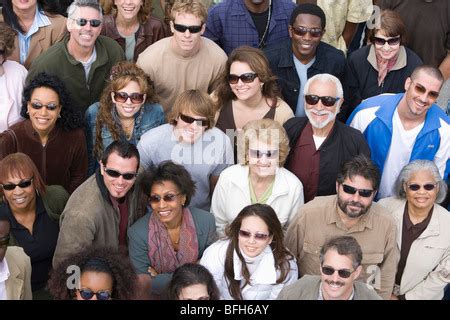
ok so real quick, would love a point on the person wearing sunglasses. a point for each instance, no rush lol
(406, 126)
(259, 177)
(424, 232)
(127, 109)
(33, 210)
(83, 58)
(100, 211)
(320, 144)
(251, 263)
(173, 233)
(186, 60)
(350, 211)
(190, 139)
(382, 66)
(340, 267)
(304, 55)
(94, 273)
(51, 121)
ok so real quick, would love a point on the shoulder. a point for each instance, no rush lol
(412, 57)
(109, 45)
(349, 131)
(57, 20)
(285, 6)
(359, 55)
(328, 51)
(155, 134)
(155, 49)
(56, 192)
(382, 215)
(211, 48)
(234, 171)
(15, 67)
(201, 215)
(301, 288)
(365, 292)
(294, 124)
(150, 108)
(272, 51)
(140, 226)
(16, 256)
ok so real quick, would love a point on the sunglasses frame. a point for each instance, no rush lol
(326, 100)
(95, 23)
(91, 293)
(135, 97)
(182, 28)
(420, 89)
(170, 197)
(247, 77)
(116, 174)
(416, 187)
(39, 106)
(270, 154)
(302, 31)
(365, 193)
(22, 185)
(343, 273)
(258, 236)
(188, 119)
(391, 41)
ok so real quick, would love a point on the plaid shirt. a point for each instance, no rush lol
(230, 24)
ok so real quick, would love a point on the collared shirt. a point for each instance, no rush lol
(320, 297)
(4, 275)
(40, 20)
(122, 206)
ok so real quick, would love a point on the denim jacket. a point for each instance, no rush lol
(152, 116)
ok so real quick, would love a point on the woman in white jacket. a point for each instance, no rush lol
(252, 263)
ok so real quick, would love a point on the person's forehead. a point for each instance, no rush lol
(87, 12)
(308, 20)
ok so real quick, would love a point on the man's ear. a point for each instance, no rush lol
(357, 272)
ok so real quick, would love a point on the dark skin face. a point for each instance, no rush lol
(4, 232)
(305, 47)
(256, 6)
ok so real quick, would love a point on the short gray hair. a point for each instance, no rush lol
(94, 4)
(414, 167)
(345, 246)
(325, 77)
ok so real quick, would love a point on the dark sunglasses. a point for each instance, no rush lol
(122, 97)
(115, 174)
(38, 105)
(327, 101)
(248, 77)
(301, 31)
(170, 197)
(192, 29)
(270, 154)
(416, 187)
(93, 22)
(22, 184)
(421, 90)
(365, 193)
(87, 294)
(187, 119)
(343, 273)
(4, 241)
(257, 236)
(381, 42)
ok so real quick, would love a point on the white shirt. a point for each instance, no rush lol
(87, 65)
(4, 275)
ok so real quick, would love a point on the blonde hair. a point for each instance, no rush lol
(195, 7)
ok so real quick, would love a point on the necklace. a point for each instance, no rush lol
(261, 43)
(126, 128)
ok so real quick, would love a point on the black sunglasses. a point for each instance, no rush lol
(122, 97)
(22, 184)
(301, 31)
(365, 193)
(187, 119)
(38, 105)
(248, 77)
(4, 241)
(258, 236)
(192, 29)
(381, 42)
(327, 101)
(115, 174)
(421, 90)
(343, 273)
(93, 22)
(416, 187)
(170, 197)
(87, 294)
(270, 154)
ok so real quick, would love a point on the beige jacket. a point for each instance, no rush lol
(18, 285)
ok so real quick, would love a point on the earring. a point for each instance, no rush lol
(37, 192)
(28, 112)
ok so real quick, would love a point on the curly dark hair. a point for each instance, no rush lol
(105, 260)
(71, 118)
(7, 36)
(169, 171)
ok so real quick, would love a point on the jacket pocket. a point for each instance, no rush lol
(311, 248)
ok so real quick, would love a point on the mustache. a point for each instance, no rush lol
(321, 113)
(354, 203)
(334, 283)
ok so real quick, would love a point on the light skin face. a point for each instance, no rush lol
(189, 132)
(128, 109)
(169, 212)
(251, 246)
(20, 199)
(44, 120)
(304, 47)
(245, 91)
(353, 205)
(262, 167)
(335, 287)
(128, 9)
(421, 199)
(386, 52)
(119, 187)
(186, 43)
(194, 292)
(95, 281)
(23, 5)
(4, 232)
(83, 37)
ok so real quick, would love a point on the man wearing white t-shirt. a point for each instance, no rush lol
(406, 126)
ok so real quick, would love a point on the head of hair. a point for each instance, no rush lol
(428, 70)
(324, 78)
(344, 246)
(391, 23)
(190, 274)
(259, 64)
(20, 165)
(308, 8)
(194, 7)
(92, 259)
(71, 117)
(169, 171)
(267, 131)
(280, 253)
(94, 4)
(196, 102)
(124, 149)
(109, 7)
(7, 36)
(360, 166)
(417, 166)
(121, 75)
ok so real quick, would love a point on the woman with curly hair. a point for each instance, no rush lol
(127, 109)
(94, 274)
(51, 134)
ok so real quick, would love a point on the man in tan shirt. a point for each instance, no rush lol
(350, 212)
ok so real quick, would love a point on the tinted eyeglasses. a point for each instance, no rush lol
(381, 42)
(170, 197)
(327, 101)
(87, 294)
(192, 29)
(270, 154)
(93, 22)
(365, 193)
(343, 273)
(135, 97)
(22, 184)
(416, 187)
(301, 31)
(257, 236)
(115, 174)
(38, 105)
(4, 241)
(420, 89)
(248, 77)
(188, 119)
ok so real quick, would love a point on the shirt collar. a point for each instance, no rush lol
(40, 20)
(265, 273)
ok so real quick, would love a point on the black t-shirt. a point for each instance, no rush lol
(261, 23)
